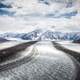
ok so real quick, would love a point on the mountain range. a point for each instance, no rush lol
(39, 34)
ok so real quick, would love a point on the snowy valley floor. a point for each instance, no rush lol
(37, 61)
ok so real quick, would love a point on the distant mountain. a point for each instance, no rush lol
(76, 41)
(39, 34)
(31, 35)
(50, 35)
(3, 40)
(34, 35)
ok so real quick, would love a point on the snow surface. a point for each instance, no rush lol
(71, 46)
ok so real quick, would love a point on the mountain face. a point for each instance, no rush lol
(23, 36)
(43, 35)
(3, 40)
(50, 35)
(76, 41)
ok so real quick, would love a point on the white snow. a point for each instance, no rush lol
(71, 46)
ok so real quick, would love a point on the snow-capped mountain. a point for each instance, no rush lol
(50, 35)
(3, 40)
(23, 36)
(32, 35)
(42, 35)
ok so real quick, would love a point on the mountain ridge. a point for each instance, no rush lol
(39, 34)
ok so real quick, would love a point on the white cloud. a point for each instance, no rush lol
(21, 23)
(11, 24)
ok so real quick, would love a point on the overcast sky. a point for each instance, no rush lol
(27, 15)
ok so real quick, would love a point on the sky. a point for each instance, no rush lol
(28, 15)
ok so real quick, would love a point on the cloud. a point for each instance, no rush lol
(27, 15)
(11, 24)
